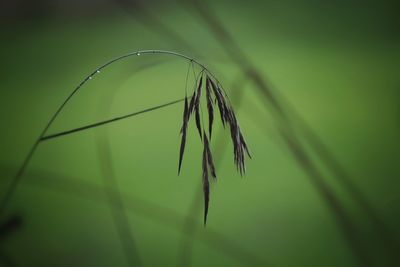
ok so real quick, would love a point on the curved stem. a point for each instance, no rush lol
(17, 178)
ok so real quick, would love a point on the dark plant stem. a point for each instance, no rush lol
(101, 123)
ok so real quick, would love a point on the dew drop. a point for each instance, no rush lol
(138, 53)
(97, 71)
(90, 77)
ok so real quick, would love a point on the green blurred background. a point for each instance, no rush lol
(334, 66)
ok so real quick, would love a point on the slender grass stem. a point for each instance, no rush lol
(17, 178)
(101, 123)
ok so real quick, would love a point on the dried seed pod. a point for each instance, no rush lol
(197, 106)
(220, 101)
(210, 161)
(198, 123)
(206, 184)
(243, 142)
(192, 102)
(199, 88)
(183, 132)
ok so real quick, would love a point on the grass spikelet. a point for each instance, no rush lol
(243, 142)
(210, 107)
(210, 161)
(220, 101)
(198, 122)
(228, 117)
(197, 105)
(191, 105)
(183, 132)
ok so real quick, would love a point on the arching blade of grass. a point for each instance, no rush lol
(101, 123)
